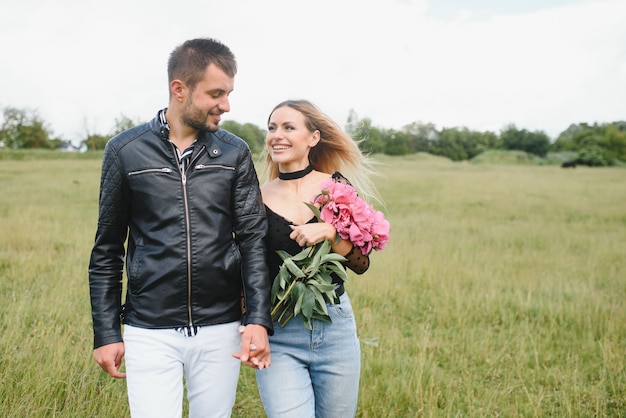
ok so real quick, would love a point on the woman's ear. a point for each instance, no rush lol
(316, 138)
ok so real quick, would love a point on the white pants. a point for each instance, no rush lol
(157, 360)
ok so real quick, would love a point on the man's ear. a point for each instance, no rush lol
(178, 90)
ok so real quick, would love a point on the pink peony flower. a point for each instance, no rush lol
(354, 218)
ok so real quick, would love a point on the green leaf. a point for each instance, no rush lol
(280, 280)
(307, 324)
(298, 289)
(321, 286)
(314, 267)
(302, 254)
(293, 268)
(319, 317)
(325, 277)
(298, 306)
(296, 297)
(315, 211)
(321, 302)
(333, 257)
(325, 247)
(337, 269)
(280, 284)
(283, 254)
(308, 304)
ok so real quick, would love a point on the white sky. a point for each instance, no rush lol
(482, 64)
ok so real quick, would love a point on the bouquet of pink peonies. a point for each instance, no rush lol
(354, 219)
(303, 285)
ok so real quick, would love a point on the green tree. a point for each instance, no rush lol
(96, 141)
(463, 144)
(370, 139)
(421, 136)
(536, 142)
(593, 156)
(485, 141)
(24, 128)
(396, 143)
(596, 145)
(565, 140)
(252, 134)
(123, 123)
(450, 144)
(613, 140)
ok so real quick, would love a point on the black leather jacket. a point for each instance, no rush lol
(195, 239)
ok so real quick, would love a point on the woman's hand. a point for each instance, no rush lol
(310, 234)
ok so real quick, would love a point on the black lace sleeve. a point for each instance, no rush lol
(339, 178)
(356, 260)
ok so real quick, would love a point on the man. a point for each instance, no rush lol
(184, 196)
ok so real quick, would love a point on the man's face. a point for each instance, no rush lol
(204, 105)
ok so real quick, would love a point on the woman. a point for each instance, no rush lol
(314, 373)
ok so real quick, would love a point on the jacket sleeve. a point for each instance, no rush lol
(250, 229)
(107, 256)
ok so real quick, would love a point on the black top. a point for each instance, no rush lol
(277, 238)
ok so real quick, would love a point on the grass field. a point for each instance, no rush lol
(501, 293)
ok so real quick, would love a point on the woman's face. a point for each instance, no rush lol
(288, 139)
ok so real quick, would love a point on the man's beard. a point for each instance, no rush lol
(196, 119)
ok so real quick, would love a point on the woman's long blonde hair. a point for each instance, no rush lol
(336, 151)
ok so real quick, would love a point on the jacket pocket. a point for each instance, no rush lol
(135, 263)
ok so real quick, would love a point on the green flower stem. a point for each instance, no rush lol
(285, 297)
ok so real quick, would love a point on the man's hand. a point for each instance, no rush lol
(109, 357)
(255, 347)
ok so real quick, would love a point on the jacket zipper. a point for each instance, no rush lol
(183, 175)
(203, 166)
(151, 170)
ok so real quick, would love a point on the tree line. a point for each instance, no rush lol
(586, 144)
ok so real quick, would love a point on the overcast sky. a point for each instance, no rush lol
(481, 64)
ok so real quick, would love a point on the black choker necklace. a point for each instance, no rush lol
(296, 174)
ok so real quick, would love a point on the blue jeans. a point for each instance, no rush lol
(314, 374)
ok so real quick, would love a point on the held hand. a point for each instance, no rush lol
(109, 357)
(310, 234)
(255, 347)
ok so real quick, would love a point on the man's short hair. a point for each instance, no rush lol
(189, 61)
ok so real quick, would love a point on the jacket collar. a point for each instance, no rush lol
(161, 128)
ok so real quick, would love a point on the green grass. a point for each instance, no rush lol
(501, 293)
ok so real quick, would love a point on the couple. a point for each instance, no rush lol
(181, 209)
